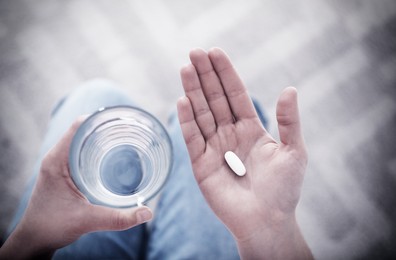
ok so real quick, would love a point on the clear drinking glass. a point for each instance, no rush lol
(120, 157)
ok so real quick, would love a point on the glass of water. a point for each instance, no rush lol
(120, 157)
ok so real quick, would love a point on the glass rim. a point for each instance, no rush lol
(74, 154)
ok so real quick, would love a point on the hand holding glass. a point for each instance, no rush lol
(120, 157)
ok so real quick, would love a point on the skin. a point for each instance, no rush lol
(217, 115)
(58, 213)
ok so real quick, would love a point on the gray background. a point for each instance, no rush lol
(341, 55)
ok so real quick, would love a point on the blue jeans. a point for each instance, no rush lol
(184, 226)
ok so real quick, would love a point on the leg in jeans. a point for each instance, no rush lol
(109, 244)
(184, 226)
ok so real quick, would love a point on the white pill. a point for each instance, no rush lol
(235, 163)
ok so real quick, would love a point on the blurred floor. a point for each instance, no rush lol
(340, 54)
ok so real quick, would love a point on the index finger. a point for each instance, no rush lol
(60, 152)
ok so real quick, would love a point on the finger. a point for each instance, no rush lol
(104, 218)
(192, 135)
(288, 117)
(202, 114)
(60, 152)
(238, 98)
(212, 88)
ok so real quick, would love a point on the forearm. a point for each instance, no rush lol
(276, 242)
(23, 245)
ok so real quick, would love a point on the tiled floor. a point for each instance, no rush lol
(340, 54)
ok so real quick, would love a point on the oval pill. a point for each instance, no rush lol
(235, 163)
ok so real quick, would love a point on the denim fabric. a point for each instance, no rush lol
(184, 226)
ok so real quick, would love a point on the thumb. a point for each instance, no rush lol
(288, 117)
(104, 218)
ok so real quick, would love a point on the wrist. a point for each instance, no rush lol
(24, 244)
(279, 240)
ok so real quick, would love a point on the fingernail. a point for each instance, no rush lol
(143, 215)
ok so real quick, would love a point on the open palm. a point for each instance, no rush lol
(217, 115)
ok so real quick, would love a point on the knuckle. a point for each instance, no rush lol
(201, 112)
(120, 221)
(191, 139)
(236, 92)
(47, 164)
(215, 95)
(286, 119)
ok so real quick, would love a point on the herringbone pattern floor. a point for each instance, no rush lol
(341, 55)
